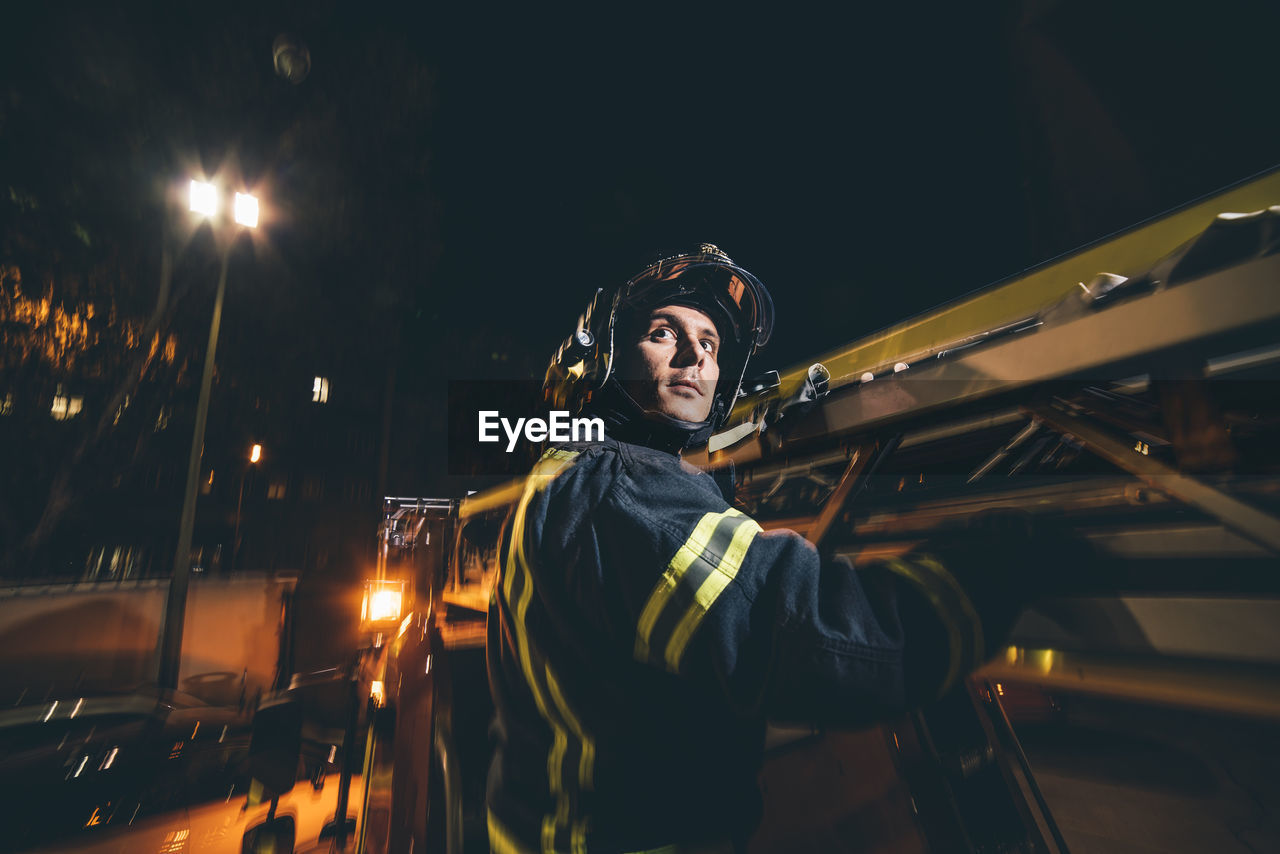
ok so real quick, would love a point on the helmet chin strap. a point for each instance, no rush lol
(625, 420)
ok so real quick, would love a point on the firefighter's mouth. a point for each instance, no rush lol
(693, 384)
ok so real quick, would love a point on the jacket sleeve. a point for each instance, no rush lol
(761, 618)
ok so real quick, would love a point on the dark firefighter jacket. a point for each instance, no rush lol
(641, 632)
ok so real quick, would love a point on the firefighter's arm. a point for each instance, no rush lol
(763, 619)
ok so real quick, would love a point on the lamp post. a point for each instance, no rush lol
(255, 455)
(204, 201)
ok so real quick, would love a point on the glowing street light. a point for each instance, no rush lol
(204, 198)
(255, 456)
(204, 201)
(246, 210)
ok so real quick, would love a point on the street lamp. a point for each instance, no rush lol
(204, 200)
(255, 455)
(246, 210)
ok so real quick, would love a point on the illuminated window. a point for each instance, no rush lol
(320, 390)
(65, 406)
(175, 840)
(276, 489)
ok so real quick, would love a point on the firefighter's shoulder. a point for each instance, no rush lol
(577, 472)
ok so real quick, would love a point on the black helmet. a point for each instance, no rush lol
(581, 376)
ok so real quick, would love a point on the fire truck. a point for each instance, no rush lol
(1127, 390)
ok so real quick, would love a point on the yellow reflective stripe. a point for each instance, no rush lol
(585, 763)
(548, 466)
(548, 834)
(927, 575)
(954, 639)
(551, 465)
(690, 551)
(501, 841)
(710, 590)
(555, 759)
(515, 562)
(683, 559)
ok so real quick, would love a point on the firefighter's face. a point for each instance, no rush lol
(669, 365)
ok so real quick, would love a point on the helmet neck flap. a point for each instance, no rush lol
(626, 421)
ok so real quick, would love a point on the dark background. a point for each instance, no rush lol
(444, 191)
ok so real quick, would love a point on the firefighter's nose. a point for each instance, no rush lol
(688, 352)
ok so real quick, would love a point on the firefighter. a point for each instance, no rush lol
(643, 629)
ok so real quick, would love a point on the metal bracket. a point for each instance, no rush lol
(1244, 519)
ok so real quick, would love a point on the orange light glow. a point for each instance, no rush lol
(255, 453)
(175, 841)
(383, 602)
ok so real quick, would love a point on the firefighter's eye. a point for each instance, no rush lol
(708, 345)
(662, 333)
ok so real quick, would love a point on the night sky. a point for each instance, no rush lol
(450, 184)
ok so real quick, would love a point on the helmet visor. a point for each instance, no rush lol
(733, 297)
